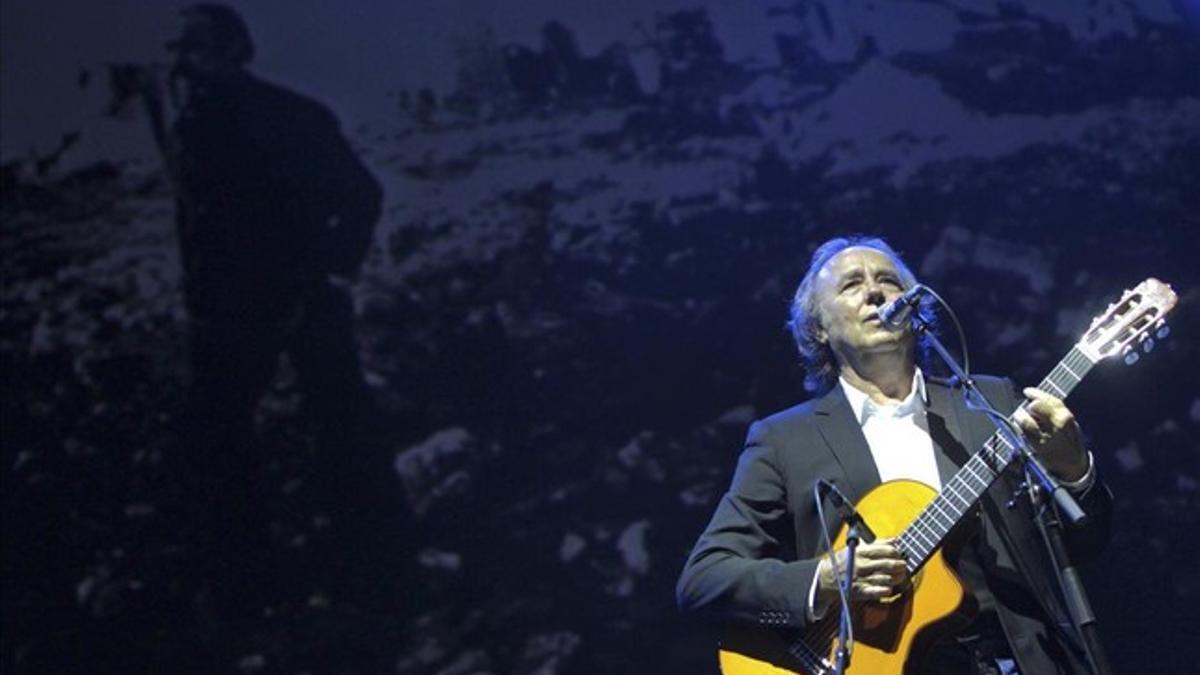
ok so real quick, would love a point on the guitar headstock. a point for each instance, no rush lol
(1131, 323)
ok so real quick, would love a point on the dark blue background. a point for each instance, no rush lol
(575, 305)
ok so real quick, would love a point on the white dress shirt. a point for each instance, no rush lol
(898, 436)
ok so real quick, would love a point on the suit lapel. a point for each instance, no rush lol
(844, 437)
(946, 430)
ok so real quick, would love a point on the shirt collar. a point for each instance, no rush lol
(864, 408)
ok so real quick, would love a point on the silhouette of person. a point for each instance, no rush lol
(275, 213)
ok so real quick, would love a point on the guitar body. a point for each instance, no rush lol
(886, 634)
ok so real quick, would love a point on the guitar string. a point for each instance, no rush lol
(936, 508)
(825, 635)
(816, 661)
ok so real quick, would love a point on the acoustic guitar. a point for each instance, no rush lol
(892, 633)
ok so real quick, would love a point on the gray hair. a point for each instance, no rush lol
(820, 363)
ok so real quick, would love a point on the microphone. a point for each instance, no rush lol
(894, 314)
(849, 514)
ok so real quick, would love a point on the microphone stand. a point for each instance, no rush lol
(1071, 584)
(843, 653)
(1068, 578)
(857, 530)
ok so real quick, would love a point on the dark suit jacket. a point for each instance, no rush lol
(756, 559)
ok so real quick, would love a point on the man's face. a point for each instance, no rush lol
(849, 291)
(197, 54)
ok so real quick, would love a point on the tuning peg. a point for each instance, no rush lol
(1147, 343)
(1131, 356)
(1161, 329)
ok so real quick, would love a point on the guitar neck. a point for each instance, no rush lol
(960, 494)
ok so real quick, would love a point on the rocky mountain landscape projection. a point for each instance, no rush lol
(572, 309)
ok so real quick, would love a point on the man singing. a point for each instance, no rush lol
(879, 416)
